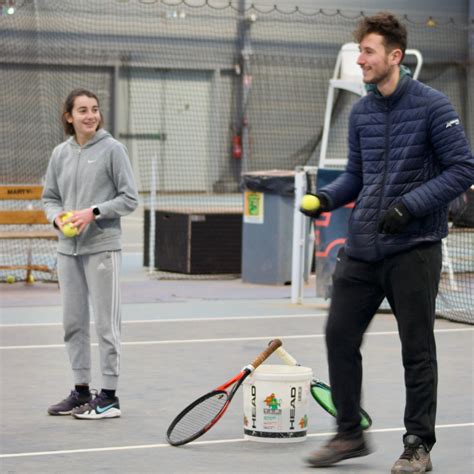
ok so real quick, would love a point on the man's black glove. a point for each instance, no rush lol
(323, 207)
(394, 220)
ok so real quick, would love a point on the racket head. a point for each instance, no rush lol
(365, 419)
(322, 394)
(202, 414)
(197, 418)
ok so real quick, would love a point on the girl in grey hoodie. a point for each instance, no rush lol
(90, 179)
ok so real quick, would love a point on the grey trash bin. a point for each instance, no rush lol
(267, 232)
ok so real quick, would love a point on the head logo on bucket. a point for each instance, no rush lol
(254, 406)
(292, 407)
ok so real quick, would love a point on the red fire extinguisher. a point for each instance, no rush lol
(236, 146)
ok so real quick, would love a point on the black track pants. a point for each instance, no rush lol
(410, 281)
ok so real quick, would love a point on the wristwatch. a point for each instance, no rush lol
(96, 212)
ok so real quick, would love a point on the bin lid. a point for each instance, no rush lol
(280, 182)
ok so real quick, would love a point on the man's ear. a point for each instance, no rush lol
(396, 56)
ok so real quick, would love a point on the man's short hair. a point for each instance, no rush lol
(386, 25)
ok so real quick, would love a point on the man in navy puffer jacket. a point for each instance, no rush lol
(408, 159)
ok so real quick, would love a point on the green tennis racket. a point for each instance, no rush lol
(321, 392)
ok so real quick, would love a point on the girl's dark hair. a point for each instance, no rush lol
(384, 24)
(69, 105)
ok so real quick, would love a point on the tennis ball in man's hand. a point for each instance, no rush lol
(10, 279)
(310, 202)
(68, 229)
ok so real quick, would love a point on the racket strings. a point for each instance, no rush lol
(198, 417)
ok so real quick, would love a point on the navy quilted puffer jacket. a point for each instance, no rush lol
(409, 147)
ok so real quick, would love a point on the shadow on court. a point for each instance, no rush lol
(183, 338)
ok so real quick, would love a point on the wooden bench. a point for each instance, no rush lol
(24, 219)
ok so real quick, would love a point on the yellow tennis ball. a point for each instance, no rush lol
(68, 229)
(10, 279)
(309, 202)
(30, 279)
(67, 216)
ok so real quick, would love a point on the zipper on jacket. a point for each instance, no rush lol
(75, 194)
(384, 177)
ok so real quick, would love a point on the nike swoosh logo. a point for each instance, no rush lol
(108, 407)
(91, 161)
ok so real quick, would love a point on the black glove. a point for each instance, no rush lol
(394, 220)
(323, 207)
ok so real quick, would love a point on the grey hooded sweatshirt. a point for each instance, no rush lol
(96, 174)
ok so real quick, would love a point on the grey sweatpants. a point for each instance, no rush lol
(94, 278)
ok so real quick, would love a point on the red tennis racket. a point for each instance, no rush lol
(201, 415)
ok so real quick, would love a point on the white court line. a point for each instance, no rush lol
(222, 441)
(228, 339)
(183, 320)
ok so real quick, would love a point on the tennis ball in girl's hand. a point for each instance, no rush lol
(310, 202)
(10, 279)
(68, 229)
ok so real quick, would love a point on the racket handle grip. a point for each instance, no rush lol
(272, 347)
(285, 357)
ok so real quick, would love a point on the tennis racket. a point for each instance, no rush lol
(201, 415)
(321, 392)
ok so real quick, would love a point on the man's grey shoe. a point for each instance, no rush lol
(338, 449)
(415, 457)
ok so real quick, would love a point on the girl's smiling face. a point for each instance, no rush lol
(84, 117)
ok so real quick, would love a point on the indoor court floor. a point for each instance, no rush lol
(180, 340)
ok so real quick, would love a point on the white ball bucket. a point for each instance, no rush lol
(276, 403)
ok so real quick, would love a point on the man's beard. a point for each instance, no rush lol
(381, 77)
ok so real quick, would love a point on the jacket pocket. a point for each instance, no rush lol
(92, 232)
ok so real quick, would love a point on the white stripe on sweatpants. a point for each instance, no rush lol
(116, 316)
(103, 275)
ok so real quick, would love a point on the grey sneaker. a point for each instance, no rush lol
(338, 449)
(65, 407)
(415, 457)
